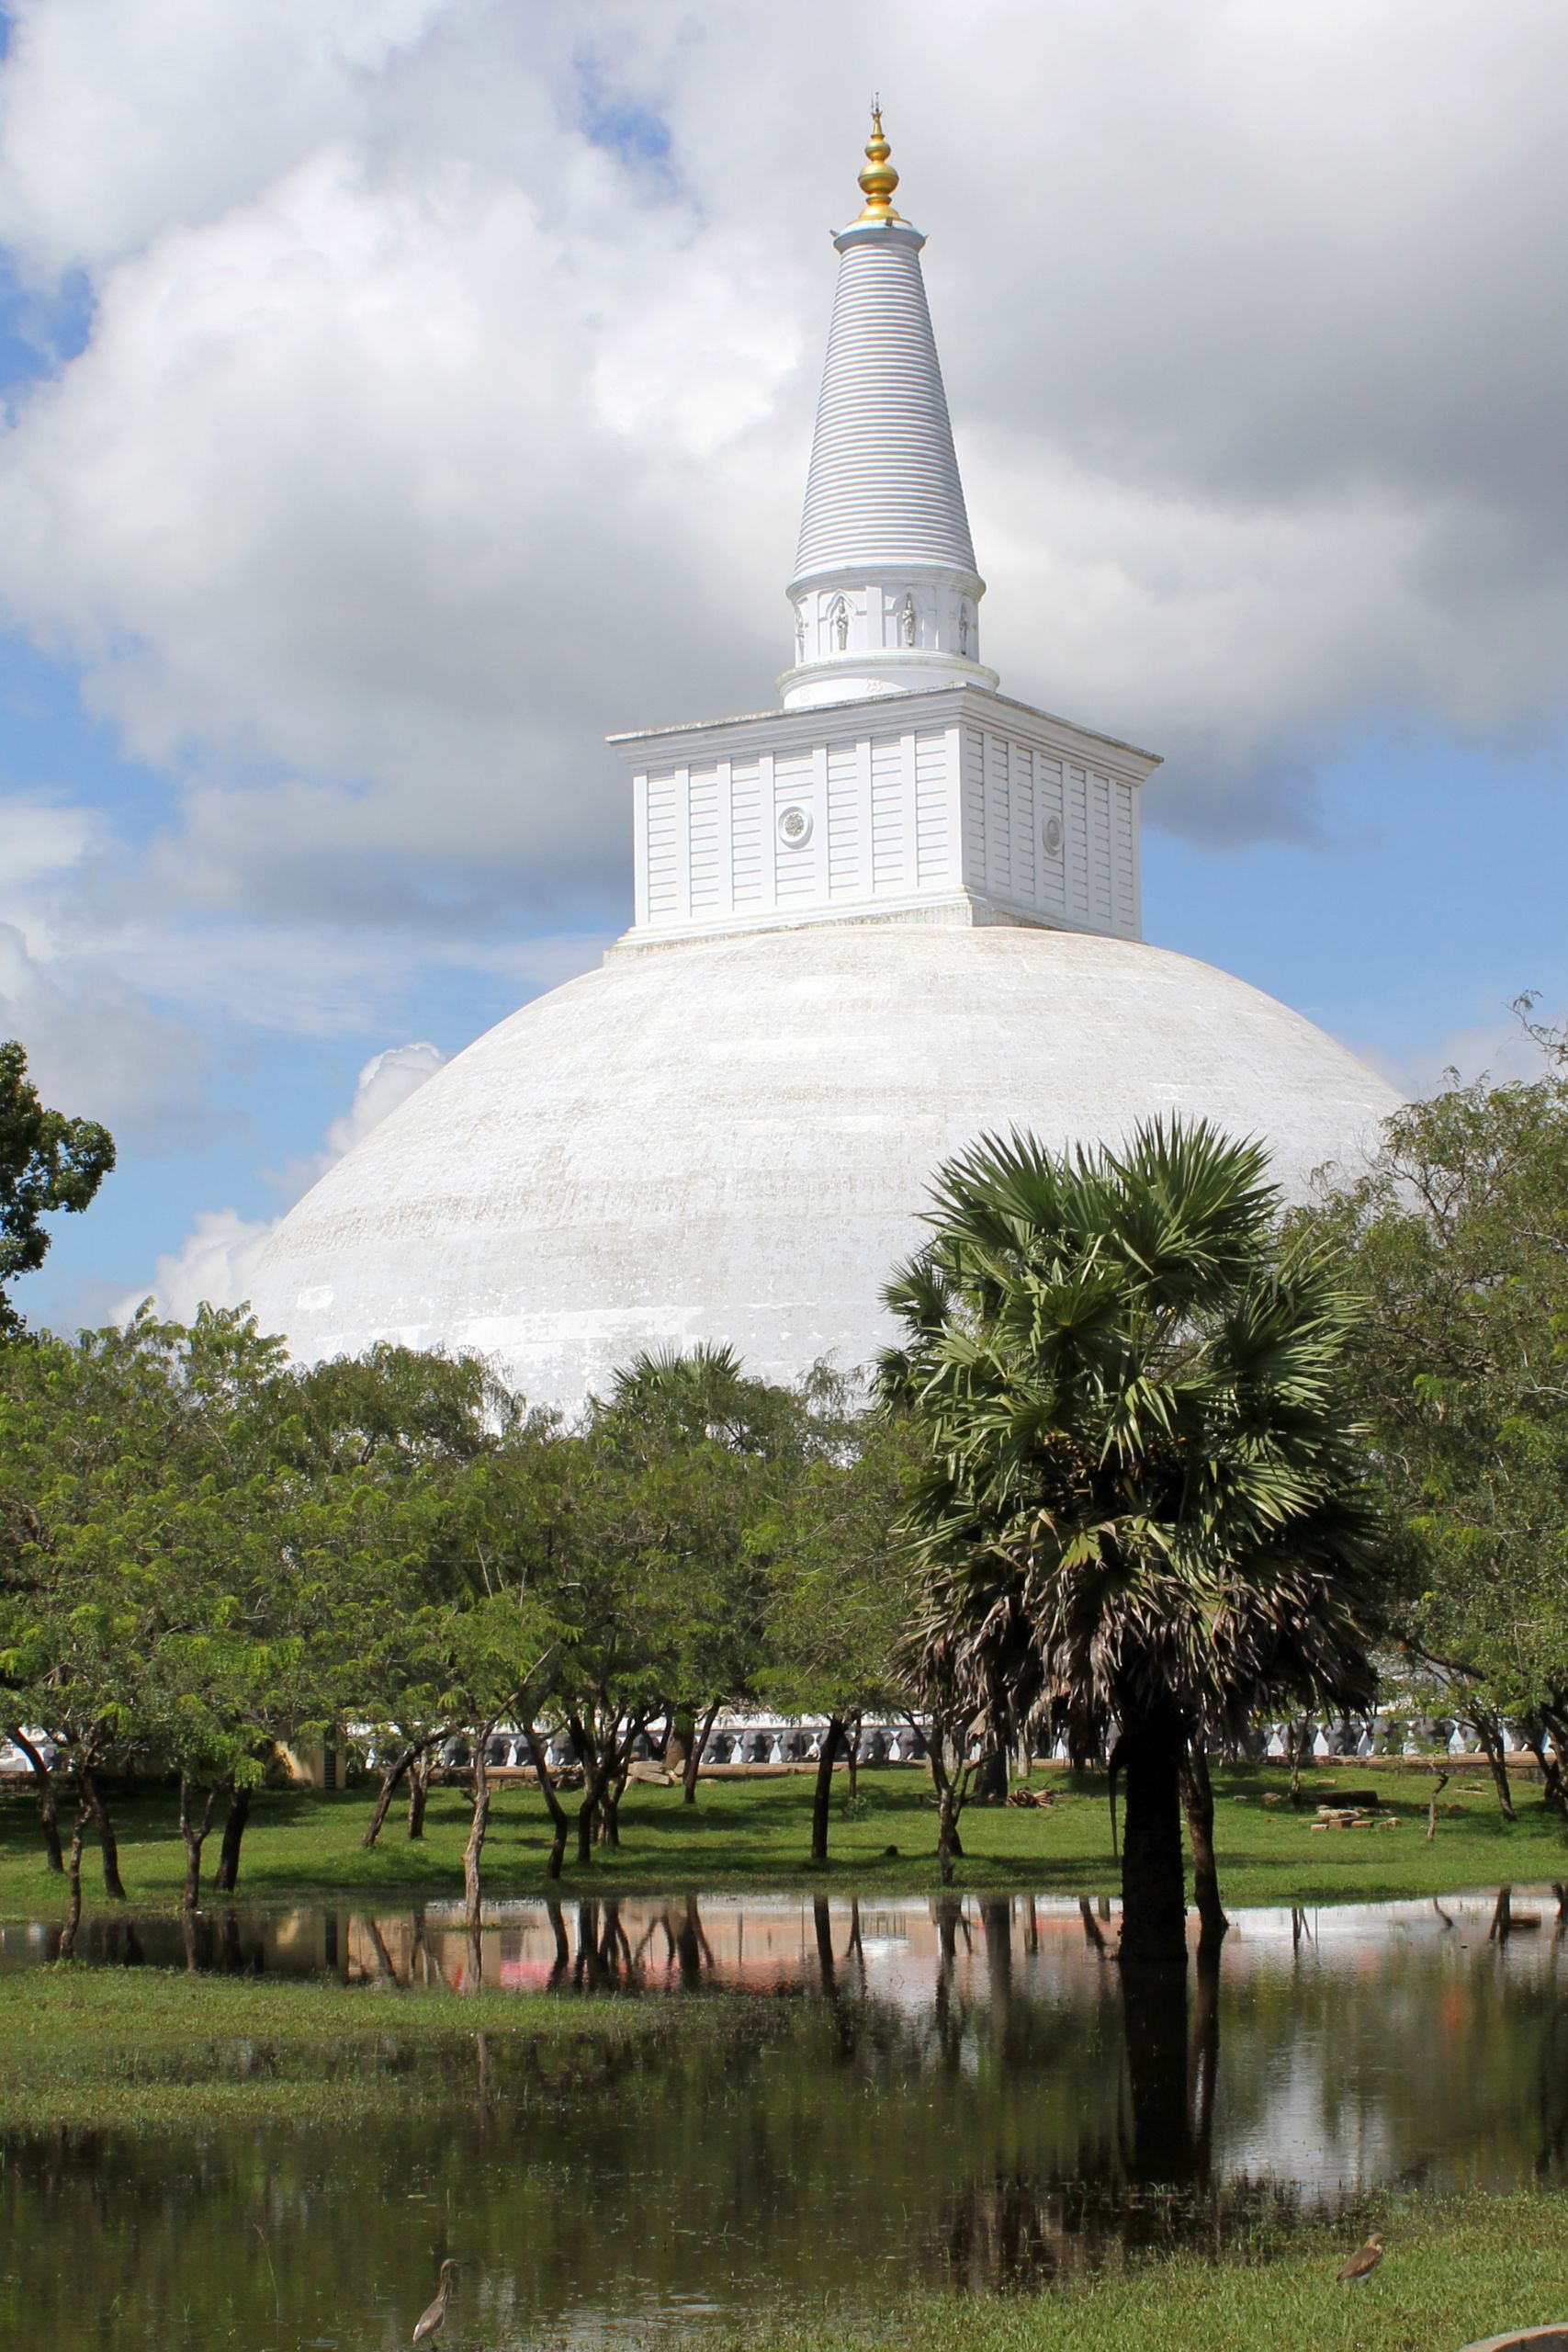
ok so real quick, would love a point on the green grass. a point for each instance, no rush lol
(148, 2048)
(1455, 2272)
(756, 1833)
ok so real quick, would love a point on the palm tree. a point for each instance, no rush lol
(1141, 1508)
(705, 1394)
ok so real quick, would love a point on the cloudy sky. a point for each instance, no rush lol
(396, 396)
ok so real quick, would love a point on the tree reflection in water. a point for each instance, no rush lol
(960, 2089)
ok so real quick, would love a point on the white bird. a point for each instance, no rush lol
(434, 2316)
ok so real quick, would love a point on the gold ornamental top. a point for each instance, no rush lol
(879, 179)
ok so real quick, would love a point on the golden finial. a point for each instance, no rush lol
(879, 179)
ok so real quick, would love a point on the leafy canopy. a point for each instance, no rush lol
(1140, 1485)
(1458, 1240)
(47, 1162)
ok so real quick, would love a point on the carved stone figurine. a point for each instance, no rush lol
(963, 628)
(842, 625)
(907, 622)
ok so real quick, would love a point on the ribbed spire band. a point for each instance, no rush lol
(883, 486)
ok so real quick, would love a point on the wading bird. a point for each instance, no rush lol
(429, 2320)
(1363, 2262)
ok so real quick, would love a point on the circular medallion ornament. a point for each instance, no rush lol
(794, 827)
(1052, 836)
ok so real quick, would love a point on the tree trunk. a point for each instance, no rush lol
(73, 1883)
(226, 1877)
(553, 1805)
(691, 1946)
(384, 1961)
(1198, 1795)
(678, 1739)
(563, 1951)
(996, 1913)
(946, 1832)
(695, 1754)
(419, 1794)
(824, 1791)
(1442, 1783)
(588, 1811)
(1154, 2004)
(952, 1792)
(86, 1781)
(594, 1758)
(1153, 1895)
(192, 1836)
(391, 1780)
(1489, 1731)
(1205, 2059)
(827, 1965)
(609, 1795)
(49, 1820)
(474, 1850)
(1554, 1795)
(1298, 1753)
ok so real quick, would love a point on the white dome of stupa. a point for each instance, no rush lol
(732, 1140)
(899, 914)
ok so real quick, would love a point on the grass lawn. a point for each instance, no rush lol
(93, 2049)
(756, 1832)
(1456, 2272)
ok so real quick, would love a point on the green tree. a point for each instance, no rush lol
(1458, 1239)
(841, 1590)
(406, 1423)
(734, 1443)
(47, 1162)
(173, 1582)
(1142, 1510)
(491, 1641)
(81, 1428)
(639, 1577)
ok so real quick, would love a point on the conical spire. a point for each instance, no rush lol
(886, 592)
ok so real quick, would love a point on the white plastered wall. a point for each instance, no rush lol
(998, 814)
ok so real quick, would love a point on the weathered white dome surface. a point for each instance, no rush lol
(731, 1140)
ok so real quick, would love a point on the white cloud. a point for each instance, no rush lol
(217, 1261)
(387, 1080)
(213, 1265)
(117, 119)
(97, 1049)
(433, 423)
(43, 840)
(1501, 1051)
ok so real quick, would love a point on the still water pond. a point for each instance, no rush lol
(956, 2094)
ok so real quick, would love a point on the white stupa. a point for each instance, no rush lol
(898, 912)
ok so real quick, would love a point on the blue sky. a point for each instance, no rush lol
(393, 407)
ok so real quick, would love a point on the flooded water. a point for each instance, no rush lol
(956, 2094)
